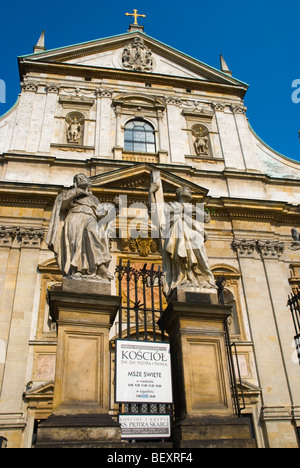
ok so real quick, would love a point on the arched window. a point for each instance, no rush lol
(139, 136)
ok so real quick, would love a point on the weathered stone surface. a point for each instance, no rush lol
(86, 286)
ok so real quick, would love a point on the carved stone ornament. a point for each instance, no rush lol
(201, 144)
(103, 93)
(244, 246)
(217, 106)
(239, 109)
(270, 248)
(31, 237)
(136, 56)
(7, 235)
(144, 246)
(52, 89)
(25, 237)
(29, 87)
(266, 248)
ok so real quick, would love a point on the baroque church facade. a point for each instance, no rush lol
(114, 109)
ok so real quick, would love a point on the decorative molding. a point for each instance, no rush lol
(275, 413)
(244, 246)
(238, 109)
(217, 106)
(29, 87)
(25, 237)
(31, 237)
(77, 97)
(174, 101)
(52, 89)
(77, 100)
(104, 93)
(7, 235)
(270, 248)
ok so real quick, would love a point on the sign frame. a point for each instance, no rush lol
(144, 383)
(152, 432)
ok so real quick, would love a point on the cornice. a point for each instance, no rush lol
(29, 194)
(27, 65)
(84, 49)
(184, 169)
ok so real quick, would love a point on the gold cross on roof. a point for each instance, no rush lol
(135, 14)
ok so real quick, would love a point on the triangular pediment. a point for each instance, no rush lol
(108, 53)
(135, 181)
(41, 391)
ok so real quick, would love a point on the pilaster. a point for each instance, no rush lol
(266, 291)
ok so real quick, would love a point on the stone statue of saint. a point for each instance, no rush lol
(185, 262)
(296, 237)
(79, 231)
(201, 145)
(74, 130)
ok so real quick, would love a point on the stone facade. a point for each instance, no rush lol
(251, 191)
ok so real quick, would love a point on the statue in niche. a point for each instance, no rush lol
(201, 143)
(185, 262)
(296, 237)
(79, 231)
(136, 56)
(74, 133)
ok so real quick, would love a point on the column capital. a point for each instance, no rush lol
(270, 249)
(244, 246)
(7, 235)
(31, 237)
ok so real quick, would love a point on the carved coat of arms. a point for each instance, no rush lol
(136, 56)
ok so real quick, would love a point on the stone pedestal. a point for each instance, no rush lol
(201, 384)
(82, 377)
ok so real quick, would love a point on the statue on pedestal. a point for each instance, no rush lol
(79, 232)
(185, 262)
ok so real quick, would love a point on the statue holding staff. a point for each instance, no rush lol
(182, 234)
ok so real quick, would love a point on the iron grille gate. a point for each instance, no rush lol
(294, 305)
(140, 319)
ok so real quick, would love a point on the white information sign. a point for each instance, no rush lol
(143, 372)
(145, 426)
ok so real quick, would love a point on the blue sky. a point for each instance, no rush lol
(259, 40)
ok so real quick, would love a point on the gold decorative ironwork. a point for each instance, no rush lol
(144, 246)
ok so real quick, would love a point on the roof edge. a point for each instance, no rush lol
(65, 49)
